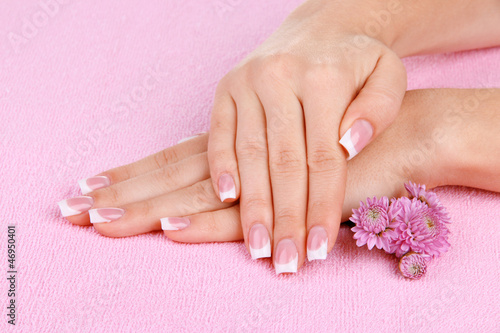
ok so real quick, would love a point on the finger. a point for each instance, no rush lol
(222, 225)
(255, 200)
(156, 161)
(221, 150)
(167, 179)
(323, 109)
(152, 214)
(288, 170)
(376, 105)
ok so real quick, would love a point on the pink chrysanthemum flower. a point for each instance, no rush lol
(429, 197)
(420, 229)
(373, 226)
(413, 265)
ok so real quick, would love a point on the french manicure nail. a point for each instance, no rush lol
(259, 241)
(101, 215)
(174, 223)
(317, 243)
(227, 189)
(357, 137)
(286, 257)
(93, 183)
(190, 137)
(75, 206)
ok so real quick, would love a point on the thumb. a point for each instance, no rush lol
(376, 105)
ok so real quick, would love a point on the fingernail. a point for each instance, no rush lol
(101, 215)
(93, 183)
(357, 137)
(75, 206)
(286, 258)
(174, 223)
(259, 241)
(227, 189)
(317, 243)
(190, 137)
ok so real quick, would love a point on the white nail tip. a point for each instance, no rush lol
(83, 186)
(231, 194)
(348, 145)
(319, 254)
(67, 210)
(96, 218)
(86, 188)
(263, 252)
(190, 137)
(166, 225)
(290, 267)
(187, 139)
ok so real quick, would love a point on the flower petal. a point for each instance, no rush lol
(371, 242)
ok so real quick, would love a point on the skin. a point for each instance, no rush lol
(278, 116)
(440, 137)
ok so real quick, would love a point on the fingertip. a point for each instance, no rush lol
(286, 257)
(81, 219)
(227, 188)
(357, 137)
(259, 242)
(317, 243)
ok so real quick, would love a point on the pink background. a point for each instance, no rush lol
(65, 114)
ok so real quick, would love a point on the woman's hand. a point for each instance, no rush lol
(133, 198)
(330, 71)
(278, 118)
(434, 141)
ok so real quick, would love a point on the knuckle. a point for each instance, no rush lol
(322, 158)
(279, 121)
(287, 161)
(285, 218)
(387, 103)
(209, 224)
(165, 157)
(202, 196)
(251, 148)
(277, 67)
(166, 173)
(206, 190)
(219, 124)
(256, 209)
(255, 203)
(224, 83)
(320, 76)
(144, 208)
(238, 77)
(388, 97)
(321, 208)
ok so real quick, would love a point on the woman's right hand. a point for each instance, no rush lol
(433, 141)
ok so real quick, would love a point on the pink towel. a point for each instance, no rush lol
(73, 102)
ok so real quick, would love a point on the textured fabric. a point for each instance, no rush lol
(97, 84)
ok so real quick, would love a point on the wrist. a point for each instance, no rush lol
(411, 28)
(383, 21)
(452, 137)
(421, 144)
(473, 140)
